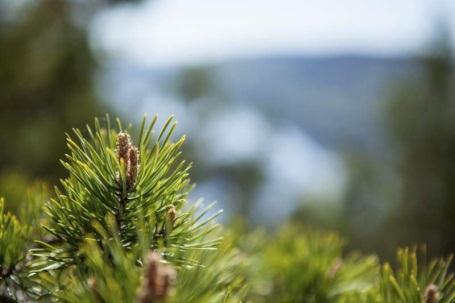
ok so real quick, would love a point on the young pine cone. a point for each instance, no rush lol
(129, 154)
(431, 294)
(158, 278)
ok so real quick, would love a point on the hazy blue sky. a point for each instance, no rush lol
(185, 31)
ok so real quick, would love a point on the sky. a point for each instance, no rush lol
(175, 32)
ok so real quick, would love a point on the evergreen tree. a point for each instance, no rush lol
(422, 115)
(46, 85)
(119, 228)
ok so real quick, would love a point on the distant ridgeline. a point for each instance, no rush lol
(338, 100)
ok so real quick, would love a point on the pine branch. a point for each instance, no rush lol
(415, 280)
(15, 238)
(143, 190)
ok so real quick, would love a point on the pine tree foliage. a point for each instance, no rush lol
(135, 196)
(119, 228)
(416, 281)
(110, 274)
(309, 266)
(225, 275)
(113, 275)
(109, 176)
(17, 234)
(301, 265)
(11, 252)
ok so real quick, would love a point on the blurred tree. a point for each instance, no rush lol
(47, 86)
(422, 119)
(371, 193)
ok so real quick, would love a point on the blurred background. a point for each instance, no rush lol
(337, 114)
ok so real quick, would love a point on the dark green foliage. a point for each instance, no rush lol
(46, 85)
(12, 252)
(16, 237)
(416, 190)
(422, 120)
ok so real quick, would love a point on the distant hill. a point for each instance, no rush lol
(337, 100)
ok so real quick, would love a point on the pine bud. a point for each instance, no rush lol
(157, 279)
(171, 214)
(334, 268)
(4, 271)
(123, 146)
(91, 282)
(129, 154)
(93, 285)
(133, 165)
(170, 218)
(431, 294)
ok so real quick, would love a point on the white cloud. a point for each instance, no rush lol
(183, 31)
